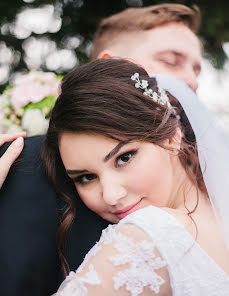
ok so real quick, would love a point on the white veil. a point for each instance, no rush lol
(212, 144)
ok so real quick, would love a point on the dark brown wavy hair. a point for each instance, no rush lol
(100, 97)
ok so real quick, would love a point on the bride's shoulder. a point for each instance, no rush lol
(182, 218)
(159, 216)
(178, 214)
(160, 221)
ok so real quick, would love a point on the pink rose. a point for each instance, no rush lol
(33, 87)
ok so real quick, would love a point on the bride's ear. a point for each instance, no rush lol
(174, 143)
(106, 53)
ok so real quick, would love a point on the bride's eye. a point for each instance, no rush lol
(125, 158)
(84, 179)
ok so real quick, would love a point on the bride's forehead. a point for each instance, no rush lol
(84, 137)
(84, 150)
(85, 143)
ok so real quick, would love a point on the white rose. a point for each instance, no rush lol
(4, 102)
(13, 129)
(34, 122)
(2, 128)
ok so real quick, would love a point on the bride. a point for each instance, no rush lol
(145, 155)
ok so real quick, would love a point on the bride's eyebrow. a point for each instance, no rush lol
(115, 150)
(75, 172)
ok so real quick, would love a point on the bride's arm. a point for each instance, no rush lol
(124, 262)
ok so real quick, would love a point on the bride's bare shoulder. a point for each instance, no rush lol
(183, 218)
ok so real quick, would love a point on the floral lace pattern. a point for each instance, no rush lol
(191, 270)
(141, 265)
(149, 252)
(76, 285)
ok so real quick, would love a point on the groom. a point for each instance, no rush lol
(162, 39)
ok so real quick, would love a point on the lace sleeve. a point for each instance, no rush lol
(124, 262)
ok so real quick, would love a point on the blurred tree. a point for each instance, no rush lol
(79, 19)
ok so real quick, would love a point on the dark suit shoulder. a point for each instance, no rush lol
(28, 226)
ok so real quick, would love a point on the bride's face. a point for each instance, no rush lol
(115, 178)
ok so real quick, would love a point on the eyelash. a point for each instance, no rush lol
(174, 63)
(132, 153)
(171, 64)
(80, 181)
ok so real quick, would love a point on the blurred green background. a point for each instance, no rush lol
(56, 36)
(36, 32)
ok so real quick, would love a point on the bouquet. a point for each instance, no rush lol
(26, 105)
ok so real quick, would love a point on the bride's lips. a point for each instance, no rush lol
(127, 210)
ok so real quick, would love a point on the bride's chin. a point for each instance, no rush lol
(111, 218)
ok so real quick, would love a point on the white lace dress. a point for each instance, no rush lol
(147, 253)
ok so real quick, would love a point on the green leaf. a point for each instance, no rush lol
(47, 102)
(59, 77)
(9, 87)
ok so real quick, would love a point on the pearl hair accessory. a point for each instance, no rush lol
(160, 97)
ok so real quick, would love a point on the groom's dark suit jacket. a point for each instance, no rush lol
(29, 264)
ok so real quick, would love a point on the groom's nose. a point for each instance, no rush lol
(190, 78)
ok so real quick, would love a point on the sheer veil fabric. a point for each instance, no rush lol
(212, 144)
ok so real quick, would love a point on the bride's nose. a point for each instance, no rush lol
(112, 191)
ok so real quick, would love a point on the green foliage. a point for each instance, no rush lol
(8, 87)
(47, 102)
(81, 17)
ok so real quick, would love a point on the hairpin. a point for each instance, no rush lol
(160, 97)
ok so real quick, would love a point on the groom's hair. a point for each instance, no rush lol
(134, 20)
